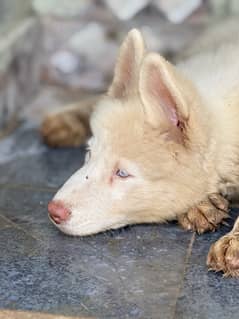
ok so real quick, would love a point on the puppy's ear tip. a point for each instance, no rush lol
(136, 36)
(128, 65)
(135, 32)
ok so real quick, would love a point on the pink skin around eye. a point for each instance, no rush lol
(111, 180)
(113, 174)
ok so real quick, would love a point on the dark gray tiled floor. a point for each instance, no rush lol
(207, 295)
(138, 272)
(25, 160)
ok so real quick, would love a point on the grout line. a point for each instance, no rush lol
(19, 227)
(29, 187)
(188, 254)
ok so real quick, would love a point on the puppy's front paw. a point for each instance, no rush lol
(64, 129)
(206, 216)
(224, 255)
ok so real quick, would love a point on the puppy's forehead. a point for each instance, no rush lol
(117, 120)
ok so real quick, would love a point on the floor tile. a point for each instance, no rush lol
(131, 273)
(207, 295)
(28, 210)
(25, 160)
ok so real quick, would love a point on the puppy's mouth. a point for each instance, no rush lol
(52, 220)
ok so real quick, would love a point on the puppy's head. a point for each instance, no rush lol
(137, 167)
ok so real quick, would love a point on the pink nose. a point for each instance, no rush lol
(58, 212)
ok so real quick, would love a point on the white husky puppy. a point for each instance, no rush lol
(164, 145)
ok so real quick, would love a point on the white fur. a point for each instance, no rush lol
(161, 187)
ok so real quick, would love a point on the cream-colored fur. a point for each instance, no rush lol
(174, 129)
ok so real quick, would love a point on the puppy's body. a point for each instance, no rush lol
(165, 144)
(216, 77)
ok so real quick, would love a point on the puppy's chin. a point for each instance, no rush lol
(84, 231)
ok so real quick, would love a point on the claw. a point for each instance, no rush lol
(224, 255)
(206, 216)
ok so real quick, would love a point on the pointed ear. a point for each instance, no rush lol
(161, 92)
(126, 72)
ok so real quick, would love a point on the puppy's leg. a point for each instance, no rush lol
(206, 216)
(68, 126)
(224, 253)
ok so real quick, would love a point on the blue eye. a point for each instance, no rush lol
(122, 173)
